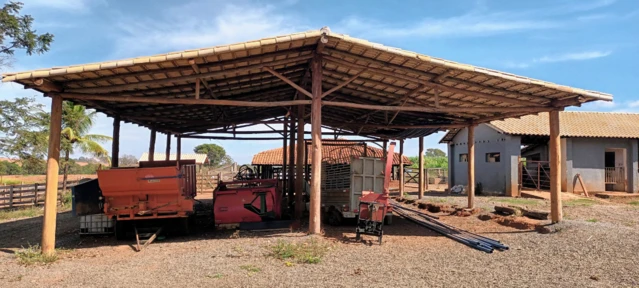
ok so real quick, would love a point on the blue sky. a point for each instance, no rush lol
(589, 44)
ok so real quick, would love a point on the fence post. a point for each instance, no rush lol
(11, 196)
(35, 195)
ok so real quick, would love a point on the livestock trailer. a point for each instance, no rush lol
(342, 186)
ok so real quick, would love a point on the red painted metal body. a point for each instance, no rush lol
(373, 207)
(247, 201)
(372, 197)
(379, 200)
(161, 189)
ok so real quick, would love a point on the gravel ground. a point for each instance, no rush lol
(580, 254)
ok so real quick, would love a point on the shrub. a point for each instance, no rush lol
(309, 252)
(32, 255)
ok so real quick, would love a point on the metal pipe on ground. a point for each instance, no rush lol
(478, 242)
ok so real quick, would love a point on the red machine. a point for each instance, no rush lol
(247, 201)
(161, 189)
(373, 206)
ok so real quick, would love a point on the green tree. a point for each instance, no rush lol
(10, 168)
(76, 123)
(434, 152)
(24, 128)
(16, 33)
(430, 162)
(127, 160)
(216, 154)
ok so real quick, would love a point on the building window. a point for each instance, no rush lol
(463, 157)
(492, 157)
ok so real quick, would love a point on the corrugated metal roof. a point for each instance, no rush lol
(332, 153)
(571, 124)
(198, 157)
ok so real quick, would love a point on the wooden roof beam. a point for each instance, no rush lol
(346, 82)
(441, 87)
(432, 75)
(186, 78)
(431, 110)
(161, 100)
(289, 82)
(218, 85)
(186, 69)
(359, 89)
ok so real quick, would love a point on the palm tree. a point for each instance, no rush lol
(76, 123)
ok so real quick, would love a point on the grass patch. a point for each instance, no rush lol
(579, 202)
(32, 255)
(309, 252)
(251, 268)
(593, 220)
(10, 182)
(215, 276)
(66, 199)
(516, 201)
(16, 213)
(633, 203)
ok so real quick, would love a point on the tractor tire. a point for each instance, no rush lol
(120, 230)
(185, 226)
(388, 220)
(335, 218)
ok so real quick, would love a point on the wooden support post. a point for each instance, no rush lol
(167, 156)
(555, 168)
(299, 164)
(307, 170)
(385, 147)
(178, 153)
(197, 88)
(316, 136)
(471, 167)
(284, 159)
(152, 145)
(401, 168)
(11, 196)
(421, 168)
(291, 161)
(53, 167)
(115, 144)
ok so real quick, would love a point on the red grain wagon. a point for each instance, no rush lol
(155, 190)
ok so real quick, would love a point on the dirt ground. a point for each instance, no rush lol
(595, 247)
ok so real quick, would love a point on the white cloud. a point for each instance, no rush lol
(65, 5)
(580, 56)
(471, 24)
(176, 30)
(633, 104)
(593, 17)
(516, 65)
(590, 5)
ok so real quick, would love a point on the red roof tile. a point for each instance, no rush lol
(330, 153)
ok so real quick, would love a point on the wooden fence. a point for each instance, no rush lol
(207, 180)
(27, 194)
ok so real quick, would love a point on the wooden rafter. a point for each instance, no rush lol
(288, 81)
